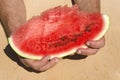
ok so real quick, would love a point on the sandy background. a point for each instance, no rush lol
(103, 66)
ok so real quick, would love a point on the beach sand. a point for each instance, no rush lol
(105, 65)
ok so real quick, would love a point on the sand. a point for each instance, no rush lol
(104, 65)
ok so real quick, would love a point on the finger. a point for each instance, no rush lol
(87, 51)
(36, 64)
(50, 64)
(24, 61)
(96, 44)
(40, 63)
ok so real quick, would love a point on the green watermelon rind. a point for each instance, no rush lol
(72, 51)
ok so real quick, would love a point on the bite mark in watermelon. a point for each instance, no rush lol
(57, 32)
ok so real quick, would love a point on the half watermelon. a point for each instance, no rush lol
(57, 32)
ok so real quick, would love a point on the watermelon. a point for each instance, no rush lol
(57, 32)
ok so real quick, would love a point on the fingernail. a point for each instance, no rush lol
(88, 43)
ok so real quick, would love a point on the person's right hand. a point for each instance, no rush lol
(40, 65)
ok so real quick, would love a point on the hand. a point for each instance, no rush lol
(93, 47)
(40, 65)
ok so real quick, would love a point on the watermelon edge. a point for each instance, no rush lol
(72, 51)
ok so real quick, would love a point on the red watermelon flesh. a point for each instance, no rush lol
(57, 32)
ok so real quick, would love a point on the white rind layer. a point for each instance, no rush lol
(69, 52)
(105, 28)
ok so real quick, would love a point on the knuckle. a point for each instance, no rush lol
(52, 64)
(103, 44)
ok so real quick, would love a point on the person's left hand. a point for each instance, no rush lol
(93, 47)
(40, 65)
